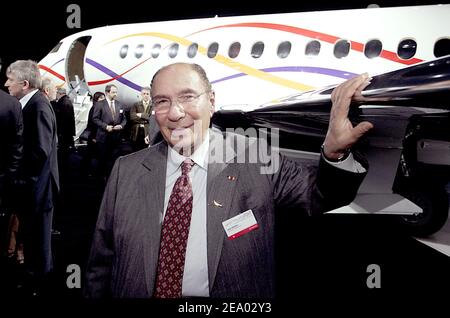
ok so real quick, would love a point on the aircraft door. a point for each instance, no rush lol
(75, 66)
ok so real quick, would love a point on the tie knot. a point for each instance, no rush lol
(186, 166)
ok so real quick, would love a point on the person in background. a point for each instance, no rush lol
(48, 88)
(39, 172)
(65, 120)
(91, 130)
(11, 130)
(140, 120)
(110, 119)
(179, 220)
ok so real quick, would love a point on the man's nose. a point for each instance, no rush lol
(176, 111)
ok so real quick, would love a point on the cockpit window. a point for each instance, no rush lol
(56, 48)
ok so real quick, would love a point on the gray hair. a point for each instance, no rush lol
(61, 90)
(46, 83)
(26, 70)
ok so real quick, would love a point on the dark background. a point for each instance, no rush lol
(324, 259)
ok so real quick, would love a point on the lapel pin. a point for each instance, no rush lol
(231, 178)
(217, 204)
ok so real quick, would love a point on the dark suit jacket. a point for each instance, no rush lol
(40, 146)
(143, 120)
(65, 120)
(124, 255)
(102, 117)
(40, 172)
(11, 129)
(91, 128)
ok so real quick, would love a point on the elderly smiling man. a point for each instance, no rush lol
(174, 223)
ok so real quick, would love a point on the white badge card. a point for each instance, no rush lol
(240, 224)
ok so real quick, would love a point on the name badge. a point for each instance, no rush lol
(240, 224)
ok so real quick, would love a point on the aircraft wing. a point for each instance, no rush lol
(410, 110)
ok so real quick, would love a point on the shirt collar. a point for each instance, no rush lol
(199, 157)
(24, 100)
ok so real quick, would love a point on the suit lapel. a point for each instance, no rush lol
(106, 110)
(221, 186)
(31, 101)
(151, 188)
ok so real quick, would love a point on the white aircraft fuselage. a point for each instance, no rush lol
(253, 59)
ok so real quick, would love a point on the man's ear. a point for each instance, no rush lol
(26, 85)
(212, 100)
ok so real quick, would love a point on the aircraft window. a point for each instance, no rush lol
(56, 48)
(123, 51)
(284, 49)
(407, 49)
(442, 47)
(234, 50)
(341, 48)
(373, 48)
(312, 48)
(213, 49)
(192, 50)
(257, 49)
(139, 51)
(173, 50)
(155, 50)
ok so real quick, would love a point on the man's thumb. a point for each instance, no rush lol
(362, 128)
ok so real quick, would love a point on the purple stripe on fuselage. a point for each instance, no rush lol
(113, 75)
(306, 69)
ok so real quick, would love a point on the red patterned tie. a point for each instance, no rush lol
(174, 235)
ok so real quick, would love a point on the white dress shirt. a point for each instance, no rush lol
(195, 278)
(24, 100)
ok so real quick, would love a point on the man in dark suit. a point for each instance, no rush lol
(140, 119)
(65, 127)
(40, 167)
(11, 129)
(110, 119)
(65, 119)
(229, 251)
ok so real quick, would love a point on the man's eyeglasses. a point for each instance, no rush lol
(163, 104)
